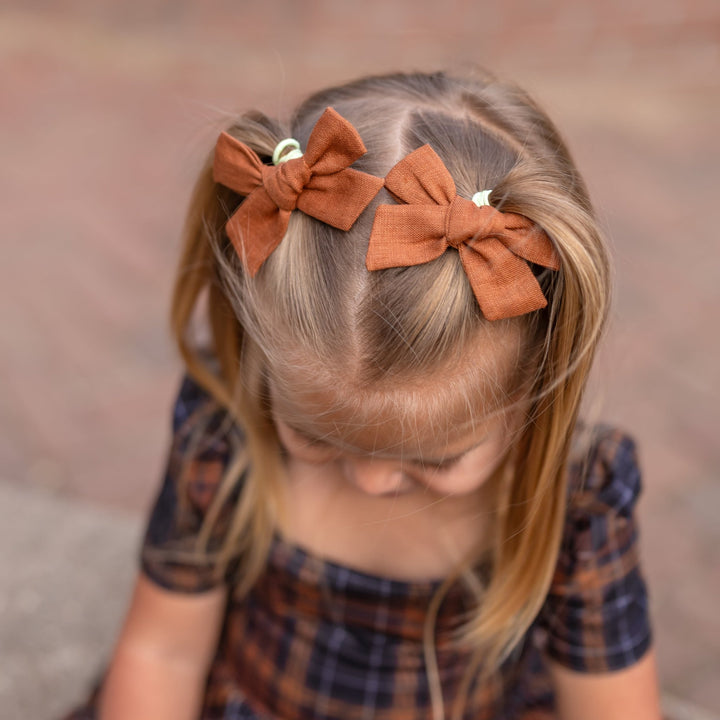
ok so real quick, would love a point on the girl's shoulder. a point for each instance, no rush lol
(596, 613)
(205, 436)
(198, 417)
(604, 473)
(205, 439)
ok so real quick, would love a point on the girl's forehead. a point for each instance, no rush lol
(437, 413)
(409, 424)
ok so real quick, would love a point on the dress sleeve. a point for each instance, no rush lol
(596, 614)
(203, 441)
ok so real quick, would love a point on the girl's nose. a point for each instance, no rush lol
(374, 477)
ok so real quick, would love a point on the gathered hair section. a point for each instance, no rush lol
(314, 304)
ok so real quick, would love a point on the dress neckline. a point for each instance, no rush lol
(294, 557)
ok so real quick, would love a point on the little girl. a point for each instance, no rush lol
(379, 502)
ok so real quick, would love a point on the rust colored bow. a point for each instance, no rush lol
(320, 184)
(493, 245)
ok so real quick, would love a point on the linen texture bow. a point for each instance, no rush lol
(493, 245)
(320, 184)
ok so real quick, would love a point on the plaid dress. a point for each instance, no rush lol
(315, 639)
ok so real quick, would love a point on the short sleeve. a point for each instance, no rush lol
(596, 616)
(204, 438)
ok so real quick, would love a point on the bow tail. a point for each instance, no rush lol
(502, 283)
(404, 235)
(256, 229)
(529, 241)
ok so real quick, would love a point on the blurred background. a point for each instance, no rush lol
(109, 107)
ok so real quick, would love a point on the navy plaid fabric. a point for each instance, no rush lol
(315, 639)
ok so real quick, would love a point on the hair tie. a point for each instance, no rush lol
(431, 217)
(296, 152)
(318, 182)
(481, 198)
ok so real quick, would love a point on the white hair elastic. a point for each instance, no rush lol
(296, 152)
(481, 198)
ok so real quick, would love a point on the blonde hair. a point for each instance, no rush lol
(312, 306)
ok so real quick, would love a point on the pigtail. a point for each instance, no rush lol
(533, 502)
(196, 287)
(199, 279)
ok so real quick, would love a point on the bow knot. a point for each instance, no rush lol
(431, 217)
(285, 182)
(465, 222)
(321, 184)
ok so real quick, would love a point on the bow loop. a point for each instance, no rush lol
(320, 184)
(236, 166)
(334, 144)
(421, 178)
(493, 245)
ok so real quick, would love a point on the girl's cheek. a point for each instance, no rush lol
(458, 483)
(470, 474)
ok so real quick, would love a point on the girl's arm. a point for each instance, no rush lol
(162, 657)
(629, 694)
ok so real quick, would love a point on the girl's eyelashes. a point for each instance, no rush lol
(320, 449)
(441, 466)
(436, 467)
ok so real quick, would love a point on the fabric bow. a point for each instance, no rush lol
(320, 184)
(493, 245)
